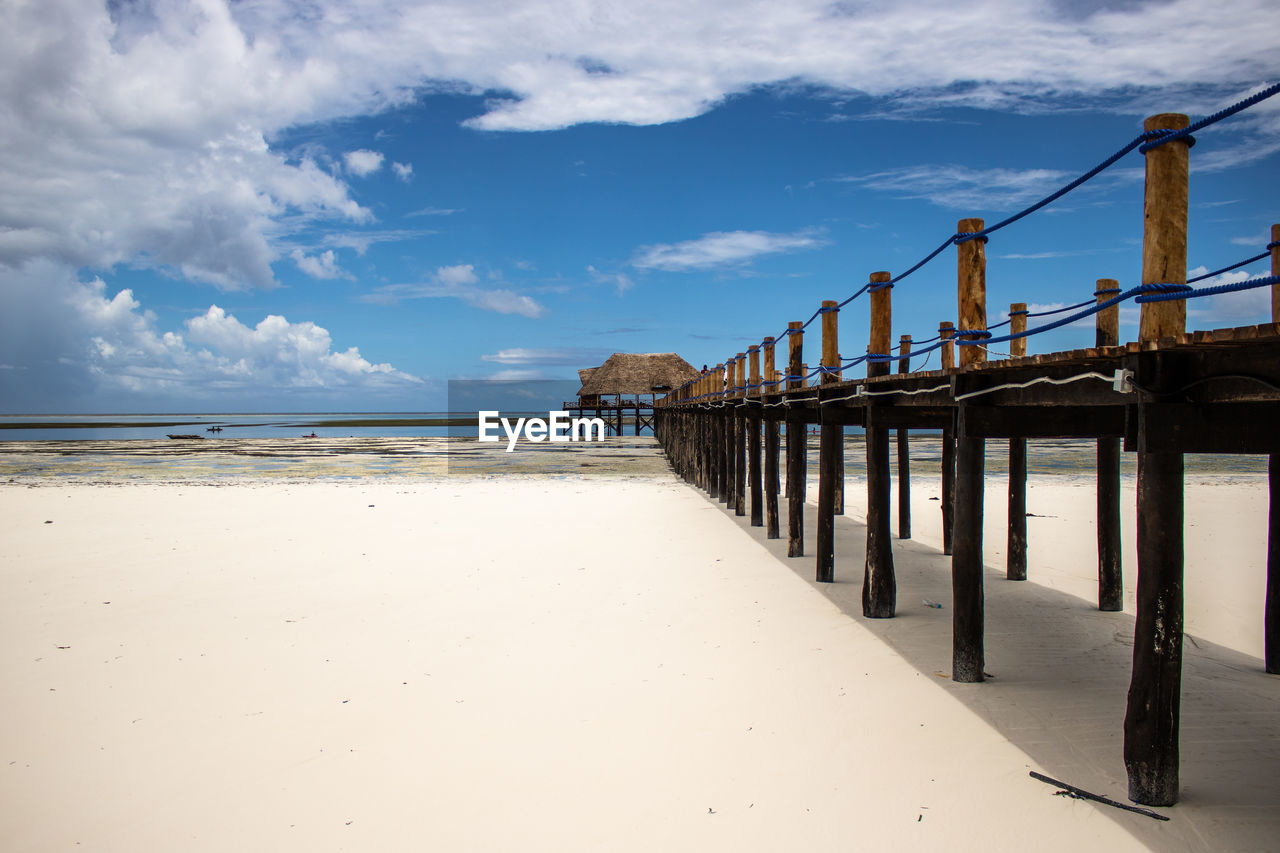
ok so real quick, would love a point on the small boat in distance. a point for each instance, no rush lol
(213, 429)
(196, 437)
(313, 435)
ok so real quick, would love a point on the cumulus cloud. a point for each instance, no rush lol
(74, 340)
(323, 265)
(1236, 307)
(404, 171)
(723, 249)
(140, 131)
(362, 162)
(460, 282)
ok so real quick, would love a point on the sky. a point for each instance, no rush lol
(305, 205)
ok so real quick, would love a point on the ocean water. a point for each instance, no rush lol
(121, 427)
(410, 444)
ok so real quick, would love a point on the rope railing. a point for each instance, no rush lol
(1143, 143)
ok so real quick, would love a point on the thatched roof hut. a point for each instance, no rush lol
(636, 373)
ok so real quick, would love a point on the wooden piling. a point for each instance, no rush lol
(1271, 613)
(727, 419)
(879, 585)
(904, 451)
(740, 439)
(1164, 232)
(948, 498)
(771, 441)
(1152, 716)
(754, 474)
(967, 656)
(830, 442)
(797, 441)
(971, 280)
(1016, 550)
(1110, 578)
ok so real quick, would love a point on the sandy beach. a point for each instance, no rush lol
(585, 663)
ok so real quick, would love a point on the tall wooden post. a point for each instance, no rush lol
(1152, 716)
(967, 655)
(753, 440)
(740, 439)
(829, 443)
(1271, 615)
(1110, 578)
(945, 332)
(1016, 568)
(730, 476)
(771, 450)
(797, 444)
(904, 451)
(879, 584)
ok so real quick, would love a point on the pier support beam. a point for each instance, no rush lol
(730, 476)
(740, 439)
(754, 474)
(1271, 613)
(1152, 716)
(879, 585)
(1110, 576)
(904, 451)
(948, 498)
(797, 445)
(1016, 547)
(967, 618)
(967, 653)
(830, 444)
(771, 439)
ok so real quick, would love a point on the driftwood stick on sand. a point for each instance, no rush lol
(1083, 794)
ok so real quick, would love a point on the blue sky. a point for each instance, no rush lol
(301, 206)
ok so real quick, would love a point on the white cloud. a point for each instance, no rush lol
(621, 282)
(963, 188)
(324, 265)
(1235, 307)
(723, 249)
(460, 282)
(459, 274)
(362, 162)
(548, 356)
(75, 338)
(404, 171)
(138, 132)
(434, 211)
(362, 240)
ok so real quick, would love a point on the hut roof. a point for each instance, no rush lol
(585, 373)
(637, 373)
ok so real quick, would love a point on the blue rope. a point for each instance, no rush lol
(1068, 308)
(1144, 142)
(864, 289)
(1093, 309)
(1193, 293)
(1167, 136)
(926, 260)
(1054, 196)
(1243, 263)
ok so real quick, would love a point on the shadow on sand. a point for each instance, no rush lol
(1060, 675)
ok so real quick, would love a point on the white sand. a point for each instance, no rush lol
(475, 665)
(1225, 542)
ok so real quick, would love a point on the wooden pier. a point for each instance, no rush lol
(613, 409)
(1164, 395)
